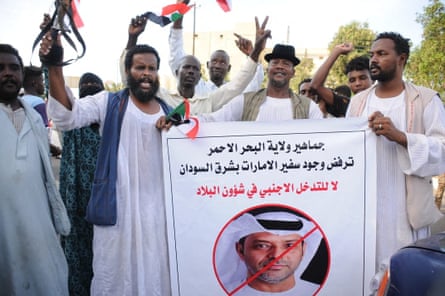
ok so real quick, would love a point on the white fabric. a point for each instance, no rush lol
(232, 270)
(131, 257)
(302, 288)
(204, 88)
(214, 100)
(272, 109)
(32, 261)
(393, 161)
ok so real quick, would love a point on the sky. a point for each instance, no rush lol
(304, 24)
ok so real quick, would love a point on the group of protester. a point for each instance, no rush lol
(121, 132)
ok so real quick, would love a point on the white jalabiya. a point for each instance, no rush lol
(271, 110)
(131, 257)
(393, 228)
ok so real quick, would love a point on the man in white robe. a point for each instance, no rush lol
(130, 257)
(32, 213)
(409, 121)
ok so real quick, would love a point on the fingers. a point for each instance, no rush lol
(138, 21)
(263, 26)
(266, 34)
(47, 41)
(238, 36)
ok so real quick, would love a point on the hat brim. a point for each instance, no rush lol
(271, 56)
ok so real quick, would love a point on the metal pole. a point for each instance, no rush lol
(194, 29)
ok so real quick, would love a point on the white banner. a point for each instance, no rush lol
(218, 185)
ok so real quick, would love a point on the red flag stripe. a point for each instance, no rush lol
(180, 7)
(226, 5)
(76, 16)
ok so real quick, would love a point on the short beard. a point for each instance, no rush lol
(141, 95)
(9, 96)
(278, 83)
(384, 76)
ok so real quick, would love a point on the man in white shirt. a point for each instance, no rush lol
(219, 64)
(409, 122)
(130, 253)
(207, 101)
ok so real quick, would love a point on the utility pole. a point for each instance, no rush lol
(287, 35)
(194, 29)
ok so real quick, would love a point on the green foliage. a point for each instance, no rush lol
(302, 71)
(361, 37)
(113, 86)
(426, 65)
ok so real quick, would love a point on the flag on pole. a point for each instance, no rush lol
(75, 4)
(170, 13)
(180, 117)
(226, 5)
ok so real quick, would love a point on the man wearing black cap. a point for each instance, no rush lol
(275, 102)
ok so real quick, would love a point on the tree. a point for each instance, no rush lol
(361, 37)
(113, 86)
(302, 71)
(426, 65)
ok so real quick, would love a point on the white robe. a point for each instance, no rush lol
(393, 228)
(130, 258)
(32, 261)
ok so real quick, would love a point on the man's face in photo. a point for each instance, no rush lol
(259, 249)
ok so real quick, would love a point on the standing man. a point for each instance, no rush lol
(219, 64)
(129, 244)
(34, 90)
(275, 102)
(188, 72)
(32, 214)
(409, 122)
(357, 71)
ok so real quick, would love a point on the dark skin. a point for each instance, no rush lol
(136, 27)
(260, 43)
(386, 67)
(219, 63)
(11, 79)
(188, 73)
(143, 69)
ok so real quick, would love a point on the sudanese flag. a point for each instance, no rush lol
(170, 13)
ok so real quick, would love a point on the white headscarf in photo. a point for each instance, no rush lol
(232, 271)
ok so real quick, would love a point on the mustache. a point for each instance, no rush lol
(280, 262)
(9, 80)
(149, 80)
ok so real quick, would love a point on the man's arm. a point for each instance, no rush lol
(176, 42)
(320, 76)
(246, 47)
(136, 27)
(55, 73)
(236, 86)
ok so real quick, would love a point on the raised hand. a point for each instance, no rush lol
(260, 38)
(244, 44)
(344, 48)
(137, 26)
(45, 22)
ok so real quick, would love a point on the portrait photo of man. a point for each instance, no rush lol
(271, 250)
